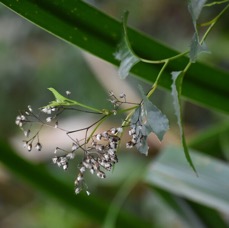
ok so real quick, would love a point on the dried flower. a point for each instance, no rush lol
(29, 147)
(38, 146)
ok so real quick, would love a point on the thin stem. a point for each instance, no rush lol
(88, 107)
(207, 33)
(213, 23)
(80, 110)
(157, 79)
(216, 3)
(97, 126)
(127, 42)
(164, 60)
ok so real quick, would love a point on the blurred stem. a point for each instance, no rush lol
(121, 196)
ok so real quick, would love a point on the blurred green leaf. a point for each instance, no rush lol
(211, 188)
(197, 48)
(82, 25)
(195, 7)
(92, 206)
(192, 213)
(211, 140)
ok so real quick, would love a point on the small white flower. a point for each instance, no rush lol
(99, 137)
(46, 110)
(111, 151)
(30, 109)
(26, 133)
(88, 193)
(122, 95)
(77, 190)
(68, 93)
(56, 124)
(18, 120)
(92, 171)
(70, 156)
(54, 160)
(119, 129)
(113, 131)
(82, 169)
(101, 174)
(65, 167)
(113, 145)
(105, 134)
(74, 146)
(48, 119)
(129, 145)
(29, 147)
(106, 156)
(38, 146)
(79, 178)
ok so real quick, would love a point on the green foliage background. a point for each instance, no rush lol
(33, 60)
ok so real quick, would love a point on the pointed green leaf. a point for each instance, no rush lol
(125, 53)
(196, 48)
(177, 77)
(195, 7)
(60, 99)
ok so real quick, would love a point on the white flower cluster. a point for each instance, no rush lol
(101, 156)
(115, 100)
(62, 161)
(21, 121)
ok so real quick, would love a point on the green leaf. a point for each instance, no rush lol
(195, 7)
(148, 119)
(64, 101)
(60, 99)
(125, 53)
(143, 148)
(177, 77)
(197, 48)
(209, 140)
(156, 121)
(93, 207)
(85, 26)
(211, 188)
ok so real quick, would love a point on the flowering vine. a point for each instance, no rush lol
(100, 149)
